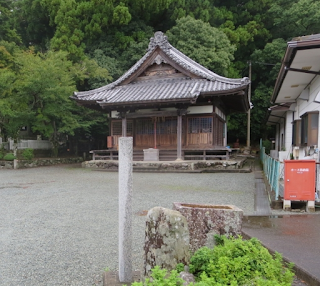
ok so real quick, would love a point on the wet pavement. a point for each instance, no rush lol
(297, 237)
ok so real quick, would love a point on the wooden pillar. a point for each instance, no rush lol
(155, 132)
(179, 136)
(124, 126)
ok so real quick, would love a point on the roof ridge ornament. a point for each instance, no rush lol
(245, 80)
(158, 60)
(160, 40)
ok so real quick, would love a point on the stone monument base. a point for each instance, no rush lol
(205, 220)
(111, 278)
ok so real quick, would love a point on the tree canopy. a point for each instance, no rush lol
(35, 90)
(206, 45)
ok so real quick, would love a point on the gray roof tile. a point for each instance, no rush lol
(159, 89)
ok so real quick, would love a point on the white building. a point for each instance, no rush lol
(296, 100)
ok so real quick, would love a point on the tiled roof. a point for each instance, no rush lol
(306, 38)
(162, 89)
(158, 90)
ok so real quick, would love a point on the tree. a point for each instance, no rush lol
(43, 85)
(206, 45)
(35, 91)
(82, 22)
(7, 31)
(12, 113)
(266, 65)
(120, 49)
(294, 18)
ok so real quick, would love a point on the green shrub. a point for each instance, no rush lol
(9, 157)
(2, 151)
(267, 144)
(28, 154)
(160, 277)
(180, 267)
(239, 262)
(233, 262)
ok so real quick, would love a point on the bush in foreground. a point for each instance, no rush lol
(231, 262)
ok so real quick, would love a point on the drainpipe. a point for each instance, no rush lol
(249, 111)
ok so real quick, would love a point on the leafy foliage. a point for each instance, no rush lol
(231, 262)
(205, 44)
(7, 30)
(27, 154)
(295, 18)
(36, 90)
(2, 152)
(120, 49)
(13, 114)
(267, 145)
(161, 277)
(9, 157)
(180, 267)
(239, 262)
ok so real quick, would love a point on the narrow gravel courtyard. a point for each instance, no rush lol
(59, 225)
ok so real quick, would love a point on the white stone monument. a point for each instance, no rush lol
(125, 208)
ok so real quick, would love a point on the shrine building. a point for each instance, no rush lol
(170, 103)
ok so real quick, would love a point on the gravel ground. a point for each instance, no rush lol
(59, 225)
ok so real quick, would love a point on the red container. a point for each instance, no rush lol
(299, 180)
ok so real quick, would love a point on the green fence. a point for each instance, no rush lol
(271, 168)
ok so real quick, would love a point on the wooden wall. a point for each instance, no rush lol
(198, 131)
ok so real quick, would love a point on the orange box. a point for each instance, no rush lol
(299, 180)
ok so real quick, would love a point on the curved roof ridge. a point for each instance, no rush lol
(161, 41)
(120, 79)
(200, 70)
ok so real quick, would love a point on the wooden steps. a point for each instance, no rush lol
(137, 155)
(167, 155)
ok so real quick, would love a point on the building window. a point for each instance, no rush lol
(309, 128)
(200, 125)
(169, 126)
(117, 128)
(144, 127)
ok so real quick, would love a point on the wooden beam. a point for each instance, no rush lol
(155, 134)
(151, 114)
(124, 127)
(303, 71)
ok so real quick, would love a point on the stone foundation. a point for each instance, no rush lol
(204, 221)
(21, 164)
(6, 164)
(167, 166)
